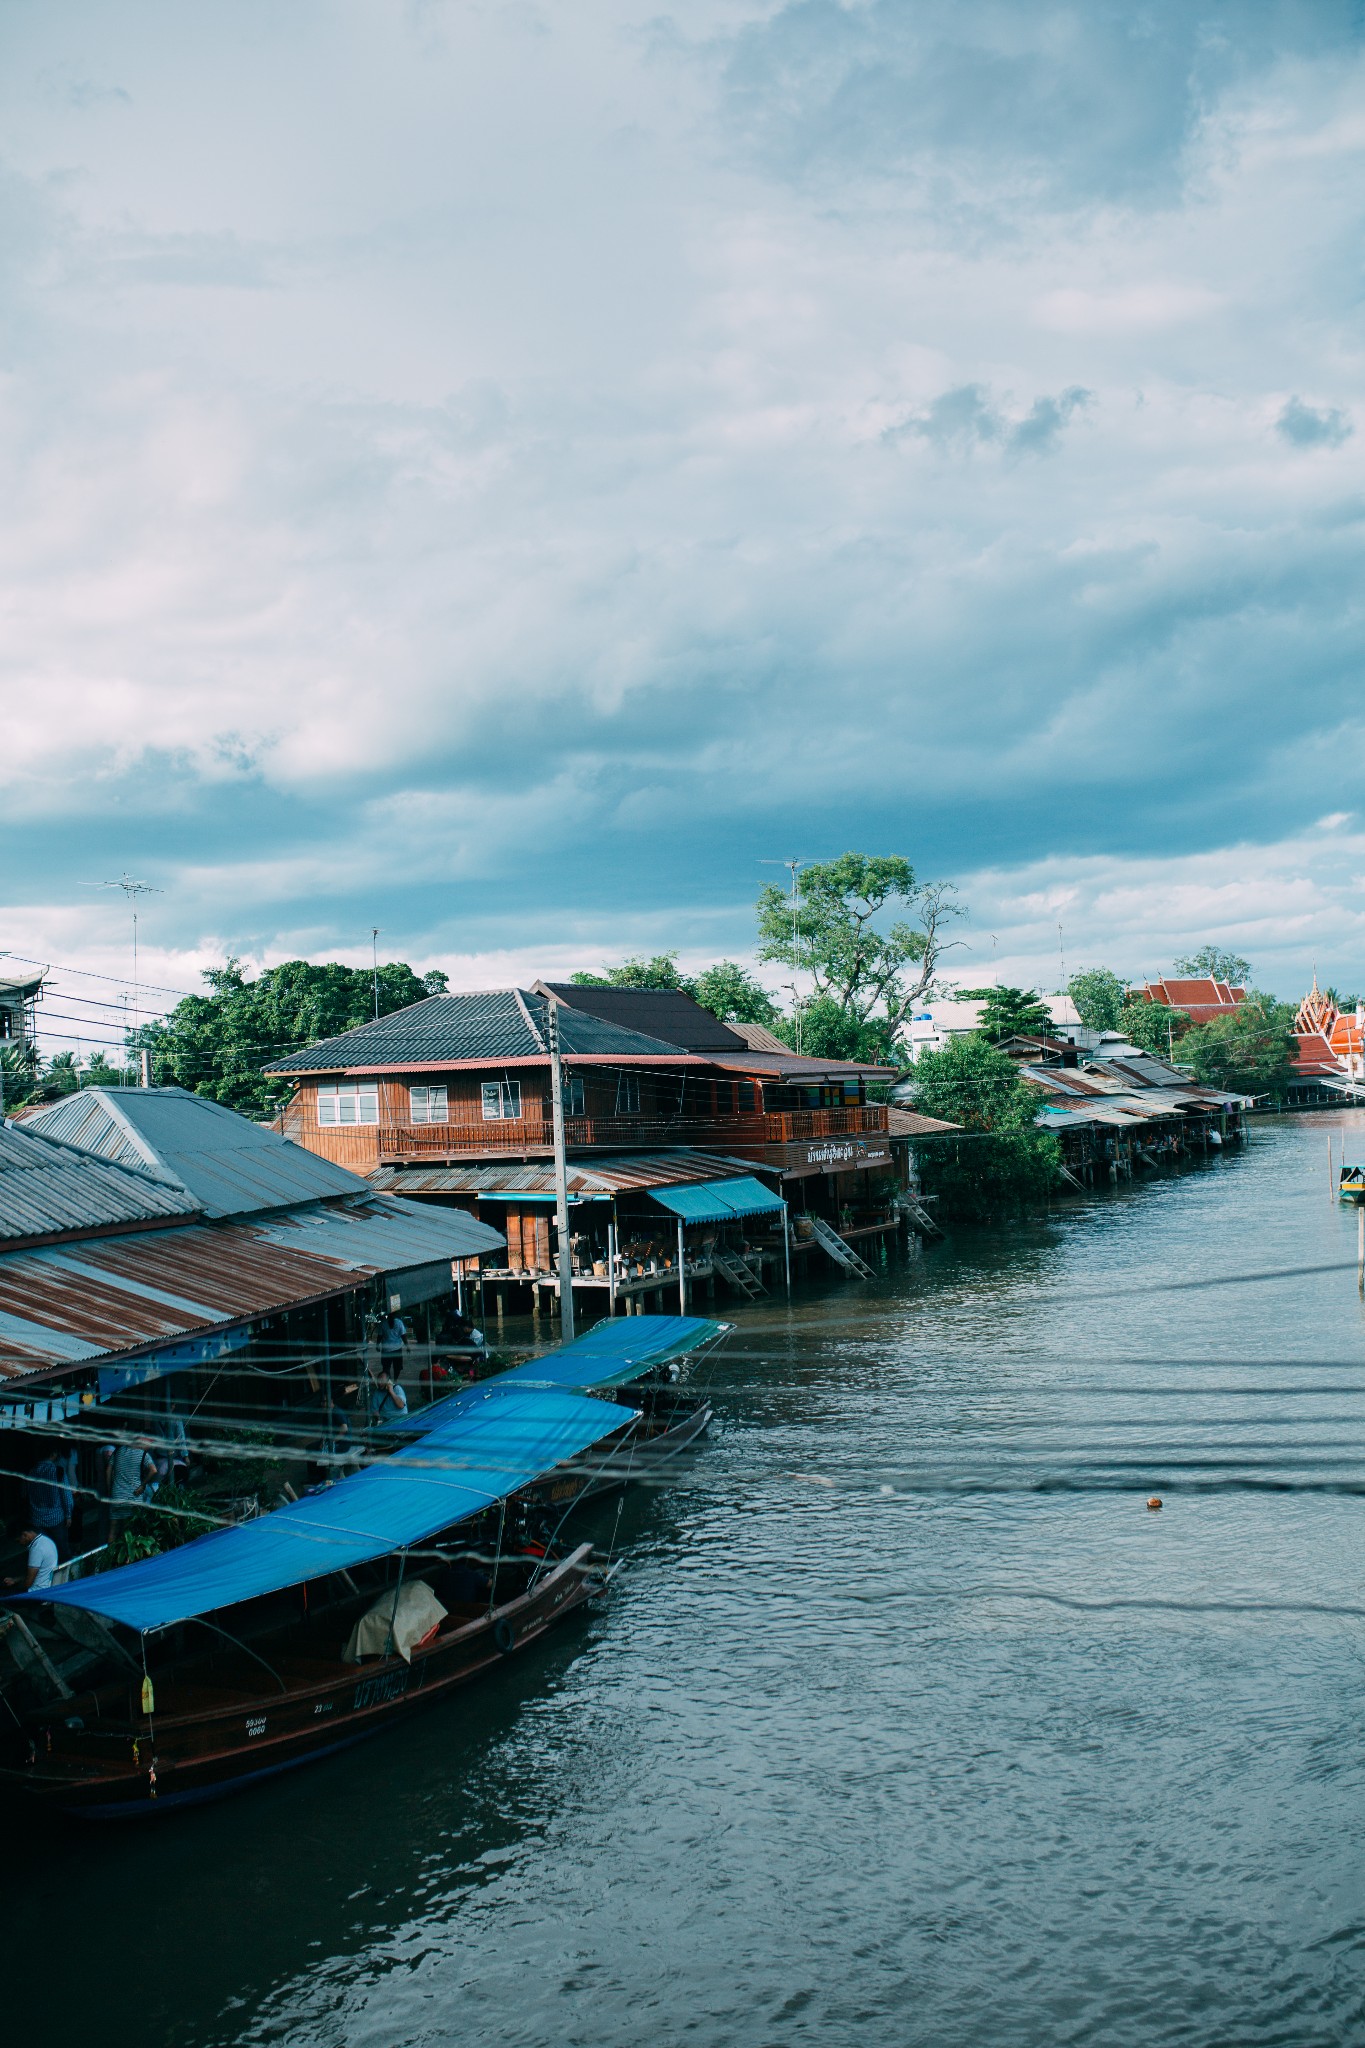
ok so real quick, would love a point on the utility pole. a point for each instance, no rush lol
(132, 890)
(374, 952)
(561, 1173)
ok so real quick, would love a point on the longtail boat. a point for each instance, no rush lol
(275, 1641)
(244, 1653)
(646, 1363)
(1352, 1184)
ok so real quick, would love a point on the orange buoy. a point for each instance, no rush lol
(1154, 1503)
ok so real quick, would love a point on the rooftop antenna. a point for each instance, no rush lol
(131, 891)
(794, 866)
(375, 930)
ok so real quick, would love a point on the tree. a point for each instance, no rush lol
(660, 972)
(733, 994)
(1007, 1011)
(873, 971)
(216, 1045)
(1250, 1051)
(1098, 995)
(1156, 1027)
(1217, 964)
(1005, 1161)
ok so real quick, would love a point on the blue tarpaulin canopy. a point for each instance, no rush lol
(716, 1201)
(611, 1355)
(489, 1442)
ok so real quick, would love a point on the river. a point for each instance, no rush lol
(907, 1722)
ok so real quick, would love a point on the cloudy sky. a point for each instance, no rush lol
(500, 472)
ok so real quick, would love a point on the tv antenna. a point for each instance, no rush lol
(794, 866)
(131, 892)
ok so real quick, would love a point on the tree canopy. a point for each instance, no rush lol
(1218, 963)
(216, 1044)
(1155, 1027)
(1006, 1012)
(1098, 995)
(863, 958)
(1006, 1162)
(1250, 1051)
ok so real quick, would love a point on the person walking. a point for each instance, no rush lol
(48, 1510)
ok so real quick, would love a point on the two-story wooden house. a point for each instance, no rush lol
(449, 1100)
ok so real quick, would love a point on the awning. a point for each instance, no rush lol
(716, 1201)
(613, 1354)
(486, 1446)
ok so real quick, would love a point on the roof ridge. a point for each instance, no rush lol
(539, 1036)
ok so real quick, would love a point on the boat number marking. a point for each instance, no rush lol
(385, 1685)
(324, 1707)
(256, 1725)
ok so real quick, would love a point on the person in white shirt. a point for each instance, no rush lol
(42, 1561)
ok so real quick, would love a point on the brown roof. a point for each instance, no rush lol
(908, 1123)
(758, 1038)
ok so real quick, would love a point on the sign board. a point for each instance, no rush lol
(833, 1155)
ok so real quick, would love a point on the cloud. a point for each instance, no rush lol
(1305, 427)
(550, 468)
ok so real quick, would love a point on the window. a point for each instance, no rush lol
(575, 1096)
(348, 1102)
(429, 1105)
(501, 1100)
(628, 1095)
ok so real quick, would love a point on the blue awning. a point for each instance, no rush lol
(716, 1201)
(487, 1444)
(611, 1355)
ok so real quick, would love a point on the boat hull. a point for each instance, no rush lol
(142, 1769)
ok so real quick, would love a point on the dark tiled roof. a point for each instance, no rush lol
(492, 1024)
(667, 1013)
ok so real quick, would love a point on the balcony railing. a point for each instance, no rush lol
(532, 1134)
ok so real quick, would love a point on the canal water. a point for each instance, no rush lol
(908, 1723)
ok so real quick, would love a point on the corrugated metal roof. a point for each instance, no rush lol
(667, 1013)
(487, 1025)
(604, 1176)
(47, 1188)
(908, 1123)
(227, 1164)
(111, 1296)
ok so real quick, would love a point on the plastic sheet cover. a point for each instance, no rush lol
(493, 1441)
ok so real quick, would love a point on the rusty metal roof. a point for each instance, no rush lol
(48, 1190)
(678, 1168)
(110, 1296)
(228, 1165)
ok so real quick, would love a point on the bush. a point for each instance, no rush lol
(1002, 1162)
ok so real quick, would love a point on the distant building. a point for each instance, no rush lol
(1201, 997)
(1329, 1062)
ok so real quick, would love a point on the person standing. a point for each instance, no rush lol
(41, 1560)
(47, 1503)
(132, 1482)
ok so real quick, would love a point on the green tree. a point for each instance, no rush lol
(1219, 964)
(733, 994)
(1250, 1051)
(216, 1044)
(1154, 1026)
(660, 972)
(1098, 995)
(830, 1032)
(1007, 1011)
(872, 969)
(1004, 1162)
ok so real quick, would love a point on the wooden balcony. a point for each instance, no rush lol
(520, 1137)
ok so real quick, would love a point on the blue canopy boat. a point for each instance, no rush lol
(277, 1640)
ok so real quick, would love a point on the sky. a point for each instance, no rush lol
(502, 473)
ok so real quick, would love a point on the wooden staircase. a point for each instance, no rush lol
(738, 1275)
(829, 1240)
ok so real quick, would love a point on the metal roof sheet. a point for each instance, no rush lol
(227, 1164)
(48, 1188)
(113, 1295)
(667, 1013)
(604, 1176)
(478, 1028)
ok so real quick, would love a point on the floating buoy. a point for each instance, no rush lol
(1154, 1503)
